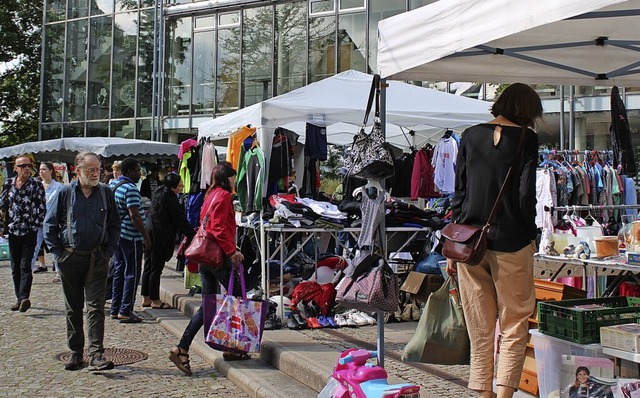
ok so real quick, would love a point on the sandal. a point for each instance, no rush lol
(184, 366)
(230, 356)
(162, 306)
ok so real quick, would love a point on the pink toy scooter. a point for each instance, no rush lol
(354, 378)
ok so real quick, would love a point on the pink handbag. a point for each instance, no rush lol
(374, 290)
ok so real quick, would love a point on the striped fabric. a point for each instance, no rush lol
(127, 195)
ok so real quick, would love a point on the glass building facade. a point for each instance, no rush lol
(215, 57)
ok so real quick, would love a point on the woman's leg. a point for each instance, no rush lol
(209, 286)
(513, 277)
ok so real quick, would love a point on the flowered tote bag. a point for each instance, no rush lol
(237, 323)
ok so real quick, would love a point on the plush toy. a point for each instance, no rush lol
(551, 249)
(569, 251)
(580, 252)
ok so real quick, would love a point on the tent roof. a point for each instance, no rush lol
(340, 101)
(65, 149)
(586, 42)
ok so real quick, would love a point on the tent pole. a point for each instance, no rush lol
(381, 226)
(562, 145)
(572, 116)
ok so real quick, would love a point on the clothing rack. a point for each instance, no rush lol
(591, 207)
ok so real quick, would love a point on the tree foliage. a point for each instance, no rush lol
(20, 49)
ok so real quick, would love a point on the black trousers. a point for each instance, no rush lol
(21, 250)
(153, 266)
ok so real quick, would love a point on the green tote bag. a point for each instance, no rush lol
(441, 336)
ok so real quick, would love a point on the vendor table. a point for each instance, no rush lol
(552, 267)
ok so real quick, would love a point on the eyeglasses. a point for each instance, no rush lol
(22, 166)
(91, 171)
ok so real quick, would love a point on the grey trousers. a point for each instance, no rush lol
(80, 282)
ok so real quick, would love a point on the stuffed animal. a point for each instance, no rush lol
(551, 249)
(569, 251)
(580, 252)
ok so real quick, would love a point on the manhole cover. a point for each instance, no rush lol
(119, 356)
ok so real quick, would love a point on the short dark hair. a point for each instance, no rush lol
(520, 104)
(49, 166)
(171, 180)
(221, 173)
(128, 165)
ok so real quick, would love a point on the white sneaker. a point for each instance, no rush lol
(357, 319)
(340, 320)
(369, 318)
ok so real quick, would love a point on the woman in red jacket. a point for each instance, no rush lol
(222, 225)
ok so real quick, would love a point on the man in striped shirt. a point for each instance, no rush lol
(127, 260)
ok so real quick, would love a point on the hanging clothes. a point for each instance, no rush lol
(279, 163)
(315, 145)
(250, 181)
(444, 163)
(423, 175)
(234, 144)
(621, 135)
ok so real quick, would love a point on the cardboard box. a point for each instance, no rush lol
(624, 337)
(420, 285)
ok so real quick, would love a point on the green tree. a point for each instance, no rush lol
(20, 46)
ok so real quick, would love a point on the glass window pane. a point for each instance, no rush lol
(126, 5)
(322, 48)
(205, 22)
(144, 129)
(349, 4)
(228, 70)
(291, 26)
(76, 70)
(204, 77)
(147, 3)
(56, 10)
(123, 128)
(145, 64)
(257, 55)
(125, 37)
(229, 19)
(73, 130)
(322, 6)
(53, 72)
(352, 42)
(78, 9)
(379, 10)
(98, 129)
(102, 7)
(179, 68)
(413, 4)
(50, 131)
(99, 68)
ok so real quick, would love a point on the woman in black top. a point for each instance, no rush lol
(502, 284)
(165, 219)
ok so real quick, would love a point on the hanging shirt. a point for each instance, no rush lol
(444, 163)
(315, 145)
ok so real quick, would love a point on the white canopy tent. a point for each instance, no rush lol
(584, 42)
(65, 149)
(339, 103)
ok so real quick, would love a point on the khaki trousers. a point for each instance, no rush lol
(502, 285)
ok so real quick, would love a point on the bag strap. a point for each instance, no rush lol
(243, 287)
(498, 202)
(374, 93)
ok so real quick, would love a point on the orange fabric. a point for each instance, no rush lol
(235, 142)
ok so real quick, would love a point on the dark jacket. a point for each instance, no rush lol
(165, 219)
(480, 170)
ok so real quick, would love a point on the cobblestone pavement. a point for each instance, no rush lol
(30, 341)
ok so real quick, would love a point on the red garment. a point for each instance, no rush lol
(323, 295)
(422, 182)
(222, 220)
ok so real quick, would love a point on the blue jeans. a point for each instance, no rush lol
(209, 286)
(127, 267)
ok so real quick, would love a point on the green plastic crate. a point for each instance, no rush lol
(564, 320)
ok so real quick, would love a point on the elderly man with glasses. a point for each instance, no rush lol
(82, 229)
(23, 206)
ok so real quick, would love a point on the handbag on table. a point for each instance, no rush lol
(374, 290)
(370, 155)
(467, 243)
(204, 249)
(234, 324)
(441, 335)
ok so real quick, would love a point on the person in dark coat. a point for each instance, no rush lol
(166, 218)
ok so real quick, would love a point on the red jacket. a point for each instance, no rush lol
(222, 222)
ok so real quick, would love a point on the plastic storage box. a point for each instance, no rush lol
(4, 251)
(580, 320)
(549, 351)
